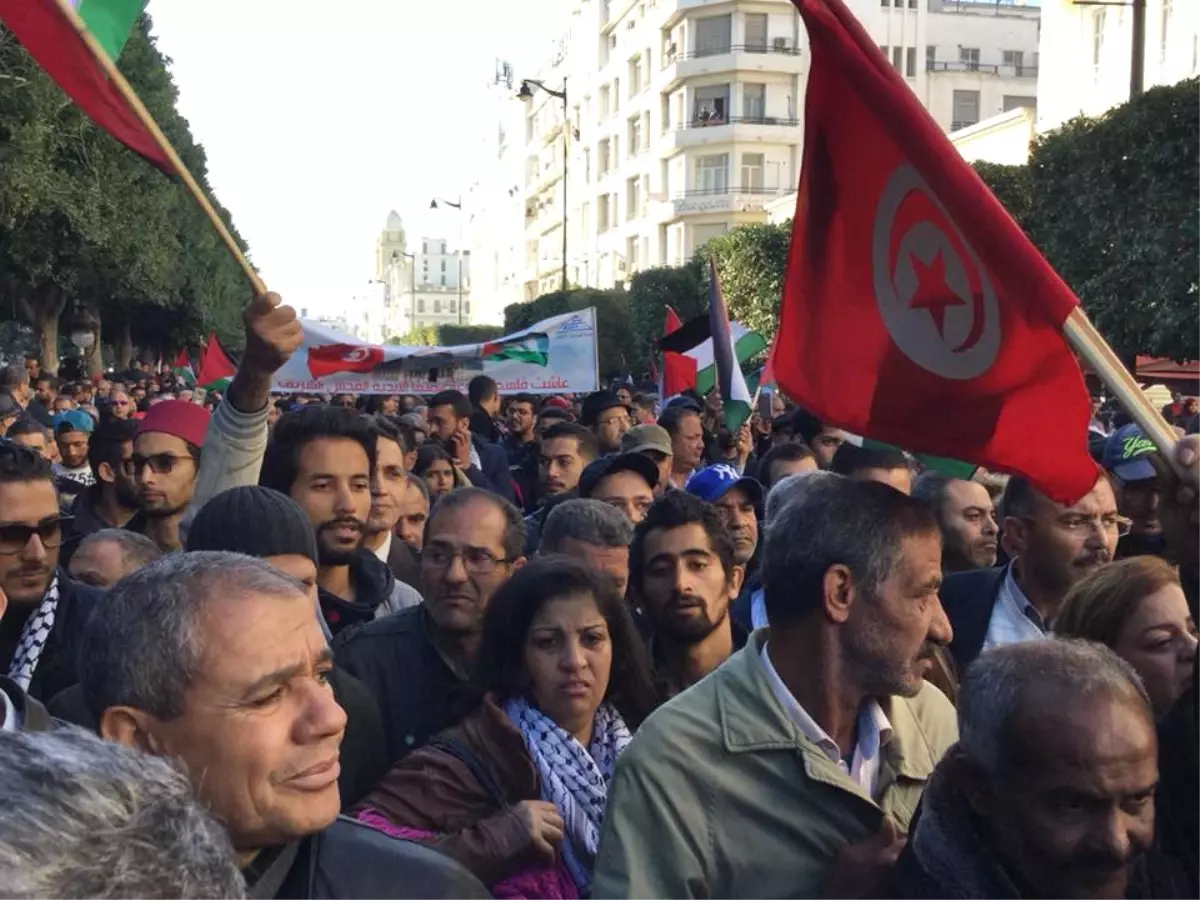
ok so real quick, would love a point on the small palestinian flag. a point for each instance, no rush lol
(216, 371)
(182, 367)
(533, 349)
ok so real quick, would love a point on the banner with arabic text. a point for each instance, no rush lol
(554, 356)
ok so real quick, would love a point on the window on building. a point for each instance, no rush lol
(912, 4)
(635, 136)
(665, 171)
(1012, 101)
(752, 172)
(898, 58)
(754, 102)
(424, 246)
(443, 265)
(930, 57)
(714, 34)
(702, 234)
(1014, 58)
(711, 105)
(1164, 29)
(632, 260)
(603, 214)
(966, 109)
(633, 198)
(910, 62)
(437, 305)
(616, 95)
(635, 75)
(645, 195)
(756, 32)
(712, 173)
(603, 162)
(666, 113)
(969, 57)
(453, 306)
(587, 165)
(1097, 36)
(885, 2)
(466, 307)
(616, 151)
(602, 102)
(420, 304)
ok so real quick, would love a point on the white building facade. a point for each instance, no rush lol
(427, 286)
(1086, 58)
(684, 119)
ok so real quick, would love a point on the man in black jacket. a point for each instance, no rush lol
(485, 464)
(219, 660)
(1052, 545)
(40, 631)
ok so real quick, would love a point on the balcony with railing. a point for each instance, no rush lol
(777, 55)
(932, 65)
(727, 198)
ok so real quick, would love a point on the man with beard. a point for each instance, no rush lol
(967, 517)
(112, 501)
(322, 457)
(1052, 546)
(521, 445)
(683, 577)
(824, 440)
(484, 463)
(165, 461)
(792, 768)
(608, 417)
(1050, 791)
(389, 485)
(46, 611)
(1127, 458)
(73, 475)
(416, 663)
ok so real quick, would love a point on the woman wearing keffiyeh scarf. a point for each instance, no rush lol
(516, 792)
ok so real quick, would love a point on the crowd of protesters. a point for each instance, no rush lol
(471, 645)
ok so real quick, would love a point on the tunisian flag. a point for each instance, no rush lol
(333, 358)
(679, 369)
(915, 311)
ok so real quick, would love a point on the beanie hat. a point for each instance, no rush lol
(255, 521)
(178, 418)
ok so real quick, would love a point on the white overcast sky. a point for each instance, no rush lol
(319, 118)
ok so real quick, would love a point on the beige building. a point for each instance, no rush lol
(427, 286)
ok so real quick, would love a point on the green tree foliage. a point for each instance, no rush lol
(614, 332)
(85, 221)
(448, 335)
(650, 293)
(751, 261)
(1011, 186)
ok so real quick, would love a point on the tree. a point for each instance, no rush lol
(650, 293)
(614, 331)
(448, 335)
(751, 261)
(1012, 187)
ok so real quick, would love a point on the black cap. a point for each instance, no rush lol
(619, 462)
(595, 404)
(255, 521)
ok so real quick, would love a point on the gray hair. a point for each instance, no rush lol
(419, 483)
(13, 376)
(999, 685)
(145, 649)
(137, 550)
(832, 521)
(589, 521)
(85, 817)
(789, 487)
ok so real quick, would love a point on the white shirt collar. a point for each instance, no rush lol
(385, 548)
(12, 718)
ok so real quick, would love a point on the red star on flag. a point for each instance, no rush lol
(933, 293)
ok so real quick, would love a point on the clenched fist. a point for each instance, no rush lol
(273, 333)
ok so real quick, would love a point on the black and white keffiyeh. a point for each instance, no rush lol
(573, 777)
(33, 637)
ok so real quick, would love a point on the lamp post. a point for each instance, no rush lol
(433, 204)
(526, 93)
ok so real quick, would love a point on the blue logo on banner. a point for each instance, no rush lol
(575, 324)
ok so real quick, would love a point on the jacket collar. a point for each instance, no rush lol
(752, 719)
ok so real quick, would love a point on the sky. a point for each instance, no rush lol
(319, 118)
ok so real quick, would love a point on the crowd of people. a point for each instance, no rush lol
(472, 645)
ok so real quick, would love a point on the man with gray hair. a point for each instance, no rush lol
(89, 818)
(106, 556)
(593, 531)
(807, 751)
(218, 659)
(413, 513)
(1050, 790)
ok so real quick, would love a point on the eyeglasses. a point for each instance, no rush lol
(15, 536)
(476, 560)
(1107, 524)
(618, 421)
(159, 463)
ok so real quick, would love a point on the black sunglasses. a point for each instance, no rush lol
(159, 463)
(14, 536)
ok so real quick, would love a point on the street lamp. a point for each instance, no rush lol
(433, 204)
(526, 93)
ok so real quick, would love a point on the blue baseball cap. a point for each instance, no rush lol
(713, 482)
(1125, 454)
(73, 420)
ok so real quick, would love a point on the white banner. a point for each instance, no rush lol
(557, 355)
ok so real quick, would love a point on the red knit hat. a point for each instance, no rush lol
(179, 418)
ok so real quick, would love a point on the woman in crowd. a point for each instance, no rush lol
(1137, 608)
(436, 467)
(516, 791)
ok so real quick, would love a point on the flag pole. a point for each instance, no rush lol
(1083, 337)
(135, 103)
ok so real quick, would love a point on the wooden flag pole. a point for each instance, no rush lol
(135, 103)
(1082, 335)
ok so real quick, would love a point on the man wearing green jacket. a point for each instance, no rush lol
(794, 769)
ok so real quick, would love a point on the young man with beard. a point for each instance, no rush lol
(683, 577)
(521, 445)
(323, 458)
(807, 751)
(113, 500)
(165, 462)
(1053, 546)
(967, 517)
(389, 487)
(483, 462)
(72, 431)
(46, 611)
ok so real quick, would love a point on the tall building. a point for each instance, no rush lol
(1087, 54)
(685, 119)
(430, 285)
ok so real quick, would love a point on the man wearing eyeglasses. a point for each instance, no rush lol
(165, 462)
(608, 417)
(1052, 546)
(46, 611)
(415, 663)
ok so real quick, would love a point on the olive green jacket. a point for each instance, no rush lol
(721, 795)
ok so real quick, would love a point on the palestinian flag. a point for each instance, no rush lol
(66, 38)
(693, 339)
(731, 382)
(182, 367)
(533, 349)
(951, 468)
(216, 371)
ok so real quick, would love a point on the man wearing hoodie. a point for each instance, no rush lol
(322, 457)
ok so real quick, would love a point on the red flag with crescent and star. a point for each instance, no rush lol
(333, 358)
(915, 311)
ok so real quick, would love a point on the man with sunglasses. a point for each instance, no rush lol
(43, 623)
(1052, 546)
(165, 462)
